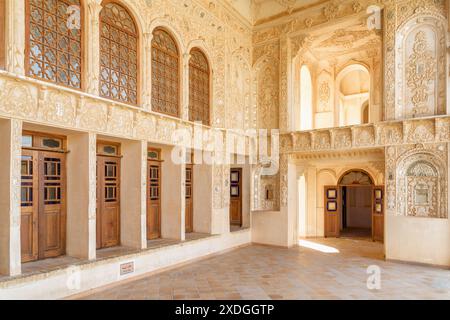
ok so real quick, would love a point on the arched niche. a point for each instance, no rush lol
(353, 85)
(421, 186)
(420, 56)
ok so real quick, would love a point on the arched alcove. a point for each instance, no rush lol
(421, 182)
(353, 91)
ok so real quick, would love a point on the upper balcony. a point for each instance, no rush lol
(379, 135)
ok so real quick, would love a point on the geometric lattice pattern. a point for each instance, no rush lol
(199, 87)
(165, 74)
(53, 50)
(118, 54)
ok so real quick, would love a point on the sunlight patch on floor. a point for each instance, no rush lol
(317, 246)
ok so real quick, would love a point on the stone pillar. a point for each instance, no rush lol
(133, 205)
(92, 42)
(185, 88)
(173, 199)
(146, 72)
(15, 36)
(10, 149)
(311, 209)
(203, 198)
(81, 196)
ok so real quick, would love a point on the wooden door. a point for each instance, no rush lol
(29, 206)
(236, 197)
(378, 214)
(189, 220)
(43, 211)
(332, 210)
(108, 202)
(52, 213)
(154, 200)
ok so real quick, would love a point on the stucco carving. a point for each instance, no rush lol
(422, 185)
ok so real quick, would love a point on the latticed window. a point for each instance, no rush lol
(198, 87)
(118, 54)
(54, 47)
(165, 74)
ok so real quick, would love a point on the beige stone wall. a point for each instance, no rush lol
(83, 117)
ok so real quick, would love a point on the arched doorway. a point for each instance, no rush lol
(355, 207)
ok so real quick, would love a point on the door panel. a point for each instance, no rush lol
(52, 217)
(332, 210)
(236, 197)
(108, 202)
(189, 221)
(154, 200)
(378, 214)
(29, 206)
(43, 212)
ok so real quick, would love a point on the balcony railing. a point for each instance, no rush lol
(378, 135)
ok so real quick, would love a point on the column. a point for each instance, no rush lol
(185, 88)
(203, 198)
(173, 197)
(92, 41)
(311, 196)
(146, 72)
(81, 196)
(133, 205)
(10, 149)
(15, 36)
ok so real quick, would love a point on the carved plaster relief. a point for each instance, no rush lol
(420, 67)
(417, 180)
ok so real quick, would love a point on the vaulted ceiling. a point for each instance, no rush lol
(259, 10)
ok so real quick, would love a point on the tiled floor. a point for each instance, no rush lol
(319, 269)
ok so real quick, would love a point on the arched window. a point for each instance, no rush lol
(53, 43)
(306, 99)
(165, 74)
(199, 85)
(118, 54)
(356, 177)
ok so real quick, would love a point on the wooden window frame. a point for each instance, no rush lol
(179, 74)
(138, 56)
(103, 143)
(206, 121)
(28, 49)
(39, 136)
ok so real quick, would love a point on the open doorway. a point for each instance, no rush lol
(356, 221)
(355, 207)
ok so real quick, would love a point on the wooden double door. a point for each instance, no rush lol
(108, 201)
(189, 211)
(154, 200)
(236, 197)
(43, 205)
(333, 209)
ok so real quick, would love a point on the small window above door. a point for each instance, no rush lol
(108, 149)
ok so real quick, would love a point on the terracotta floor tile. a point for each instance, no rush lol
(259, 272)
